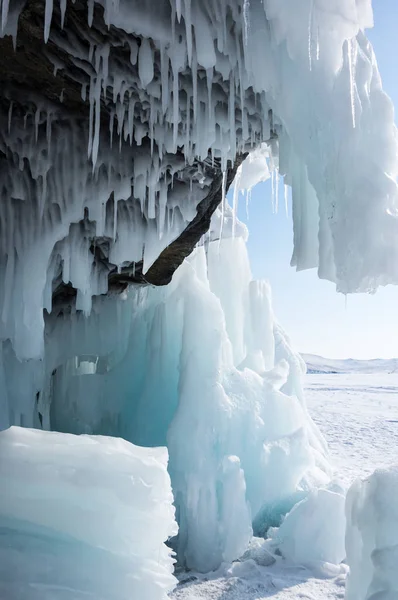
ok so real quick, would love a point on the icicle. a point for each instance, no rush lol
(209, 79)
(10, 116)
(188, 29)
(273, 190)
(97, 121)
(114, 218)
(4, 13)
(310, 18)
(48, 15)
(175, 108)
(224, 187)
(246, 18)
(48, 131)
(235, 199)
(37, 121)
(248, 199)
(90, 14)
(286, 197)
(276, 190)
(231, 114)
(164, 77)
(62, 4)
(351, 51)
(178, 10)
(195, 87)
(8, 283)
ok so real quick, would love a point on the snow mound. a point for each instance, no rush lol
(319, 364)
(372, 537)
(83, 517)
(313, 531)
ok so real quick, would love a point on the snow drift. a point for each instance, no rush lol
(83, 517)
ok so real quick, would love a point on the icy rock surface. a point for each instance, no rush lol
(83, 517)
(164, 88)
(372, 537)
(313, 531)
(201, 366)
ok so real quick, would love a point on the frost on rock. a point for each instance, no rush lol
(132, 109)
(83, 517)
(372, 537)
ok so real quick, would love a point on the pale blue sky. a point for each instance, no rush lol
(319, 320)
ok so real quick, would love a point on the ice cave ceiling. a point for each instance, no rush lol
(123, 124)
(35, 76)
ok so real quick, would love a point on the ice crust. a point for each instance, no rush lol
(83, 517)
(372, 537)
(204, 78)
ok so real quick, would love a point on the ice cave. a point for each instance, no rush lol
(151, 406)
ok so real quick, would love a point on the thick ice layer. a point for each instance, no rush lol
(171, 83)
(372, 537)
(202, 366)
(83, 517)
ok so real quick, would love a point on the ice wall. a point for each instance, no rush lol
(83, 517)
(202, 366)
(165, 87)
(372, 537)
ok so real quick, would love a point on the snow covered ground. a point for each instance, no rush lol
(357, 411)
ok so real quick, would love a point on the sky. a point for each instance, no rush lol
(317, 318)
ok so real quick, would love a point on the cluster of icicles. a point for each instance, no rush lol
(173, 84)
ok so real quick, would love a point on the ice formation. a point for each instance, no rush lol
(372, 537)
(83, 517)
(313, 532)
(144, 113)
(165, 87)
(208, 373)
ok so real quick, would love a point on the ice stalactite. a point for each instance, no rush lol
(167, 88)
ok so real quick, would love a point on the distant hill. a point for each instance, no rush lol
(318, 364)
